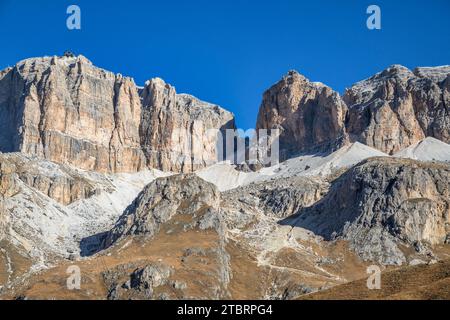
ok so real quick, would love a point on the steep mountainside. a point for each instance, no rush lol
(66, 110)
(389, 111)
(78, 188)
(48, 208)
(181, 238)
(174, 129)
(398, 107)
(310, 115)
(383, 204)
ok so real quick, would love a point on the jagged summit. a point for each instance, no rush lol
(309, 115)
(397, 108)
(395, 71)
(402, 73)
(171, 121)
(294, 75)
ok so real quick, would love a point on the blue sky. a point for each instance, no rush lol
(229, 52)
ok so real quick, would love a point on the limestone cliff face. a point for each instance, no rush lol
(389, 111)
(66, 110)
(175, 128)
(398, 107)
(310, 115)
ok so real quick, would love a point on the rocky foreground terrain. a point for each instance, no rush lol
(98, 175)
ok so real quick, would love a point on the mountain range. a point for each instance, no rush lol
(99, 173)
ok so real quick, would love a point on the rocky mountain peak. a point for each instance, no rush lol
(164, 198)
(294, 75)
(395, 70)
(66, 59)
(71, 130)
(397, 108)
(65, 109)
(174, 128)
(389, 111)
(394, 75)
(310, 115)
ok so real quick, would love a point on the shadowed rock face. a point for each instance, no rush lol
(398, 107)
(383, 202)
(174, 128)
(310, 115)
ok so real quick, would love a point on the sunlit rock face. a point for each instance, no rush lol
(309, 115)
(398, 107)
(66, 110)
(179, 132)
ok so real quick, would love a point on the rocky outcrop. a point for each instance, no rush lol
(8, 184)
(276, 198)
(140, 284)
(382, 204)
(167, 210)
(165, 198)
(309, 115)
(59, 182)
(177, 130)
(66, 110)
(398, 107)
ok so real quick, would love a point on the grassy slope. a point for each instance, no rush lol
(412, 282)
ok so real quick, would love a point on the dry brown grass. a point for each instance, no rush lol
(412, 282)
(168, 248)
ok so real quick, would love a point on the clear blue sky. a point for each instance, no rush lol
(229, 52)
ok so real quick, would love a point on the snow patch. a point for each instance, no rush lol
(226, 177)
(429, 149)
